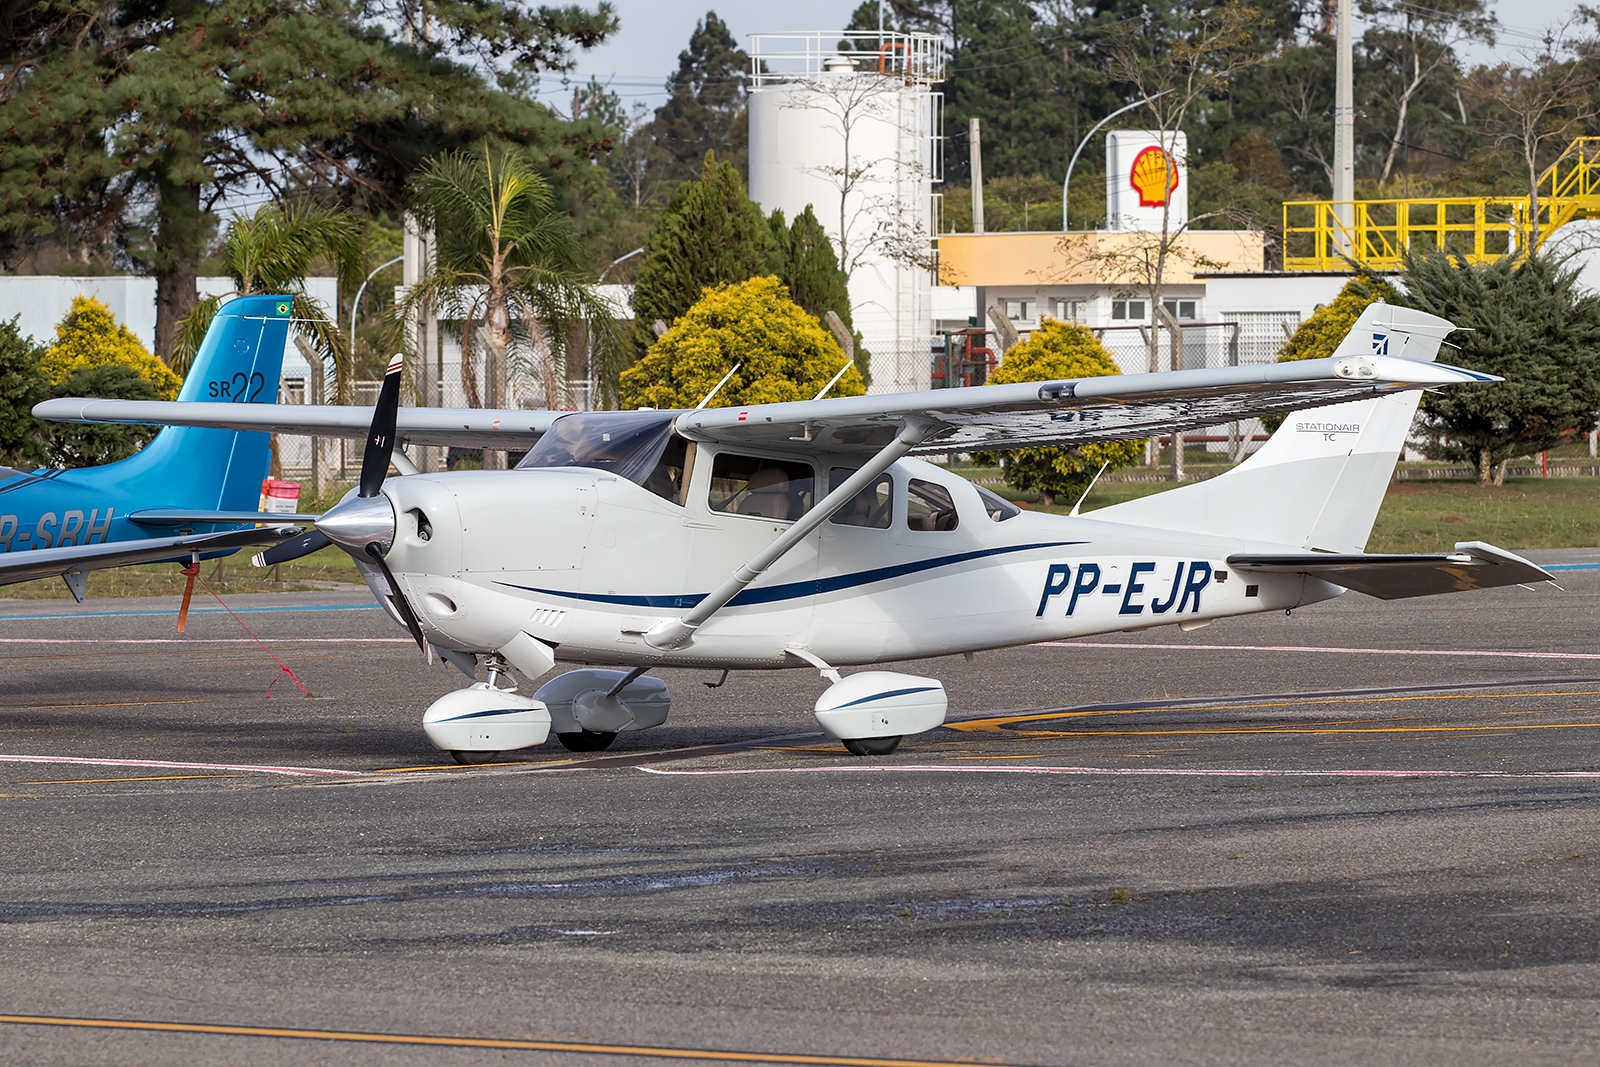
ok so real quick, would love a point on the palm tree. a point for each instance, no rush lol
(509, 269)
(271, 252)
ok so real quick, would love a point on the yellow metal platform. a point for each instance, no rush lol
(1325, 235)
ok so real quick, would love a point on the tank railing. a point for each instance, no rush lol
(915, 58)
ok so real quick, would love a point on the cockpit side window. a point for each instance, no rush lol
(637, 445)
(872, 507)
(764, 488)
(999, 508)
(929, 507)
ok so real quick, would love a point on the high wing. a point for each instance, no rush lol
(462, 427)
(1030, 414)
(968, 420)
(27, 565)
(1473, 565)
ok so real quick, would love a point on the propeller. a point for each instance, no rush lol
(397, 598)
(374, 468)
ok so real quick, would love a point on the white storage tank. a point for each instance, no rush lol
(848, 123)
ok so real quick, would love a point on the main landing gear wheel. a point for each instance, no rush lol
(473, 759)
(585, 741)
(872, 746)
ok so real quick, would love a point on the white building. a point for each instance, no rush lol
(38, 302)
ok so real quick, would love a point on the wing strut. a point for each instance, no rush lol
(679, 633)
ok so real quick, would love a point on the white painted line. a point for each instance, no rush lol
(316, 772)
(1180, 772)
(202, 640)
(1492, 652)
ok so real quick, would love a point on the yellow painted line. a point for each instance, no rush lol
(150, 778)
(580, 1047)
(998, 721)
(1489, 730)
(114, 704)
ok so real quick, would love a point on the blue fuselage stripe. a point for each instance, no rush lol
(884, 696)
(794, 590)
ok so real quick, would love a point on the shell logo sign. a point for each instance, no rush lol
(1146, 187)
(1154, 176)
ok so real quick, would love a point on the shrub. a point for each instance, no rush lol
(90, 336)
(784, 353)
(1320, 334)
(1057, 351)
(22, 385)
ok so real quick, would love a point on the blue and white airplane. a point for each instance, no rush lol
(807, 534)
(191, 493)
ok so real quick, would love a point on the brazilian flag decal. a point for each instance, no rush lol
(283, 307)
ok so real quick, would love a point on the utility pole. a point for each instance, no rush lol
(418, 254)
(977, 177)
(1344, 135)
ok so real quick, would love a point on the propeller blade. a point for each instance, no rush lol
(380, 438)
(303, 545)
(398, 598)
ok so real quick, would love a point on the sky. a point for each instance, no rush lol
(638, 59)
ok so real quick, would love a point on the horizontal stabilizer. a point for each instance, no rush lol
(25, 566)
(1473, 565)
(175, 517)
(461, 427)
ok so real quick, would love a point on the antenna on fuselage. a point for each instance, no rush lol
(834, 380)
(718, 387)
(1085, 495)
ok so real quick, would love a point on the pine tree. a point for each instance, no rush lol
(803, 259)
(1531, 325)
(113, 106)
(707, 111)
(710, 234)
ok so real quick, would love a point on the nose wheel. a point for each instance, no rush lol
(871, 746)
(473, 759)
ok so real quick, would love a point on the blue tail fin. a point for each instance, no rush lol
(240, 360)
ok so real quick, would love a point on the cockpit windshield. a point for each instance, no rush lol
(637, 445)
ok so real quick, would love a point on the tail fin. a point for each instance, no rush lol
(240, 360)
(1319, 481)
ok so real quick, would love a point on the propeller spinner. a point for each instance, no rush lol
(364, 525)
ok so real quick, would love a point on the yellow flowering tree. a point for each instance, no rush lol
(1054, 352)
(783, 353)
(90, 336)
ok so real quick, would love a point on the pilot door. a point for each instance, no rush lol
(740, 502)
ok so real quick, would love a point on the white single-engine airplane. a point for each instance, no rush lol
(800, 534)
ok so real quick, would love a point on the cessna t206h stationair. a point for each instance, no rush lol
(806, 534)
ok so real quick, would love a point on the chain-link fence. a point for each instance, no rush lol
(1240, 339)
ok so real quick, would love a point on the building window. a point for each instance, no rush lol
(1066, 310)
(1182, 310)
(1129, 310)
(1018, 310)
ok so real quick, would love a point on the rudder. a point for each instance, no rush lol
(239, 361)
